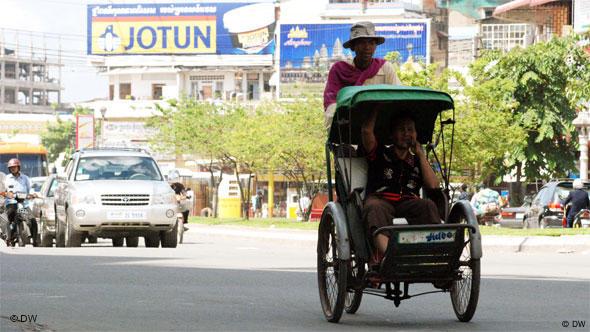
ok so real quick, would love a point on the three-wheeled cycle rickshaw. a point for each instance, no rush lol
(446, 255)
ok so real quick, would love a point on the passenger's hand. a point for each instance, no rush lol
(417, 149)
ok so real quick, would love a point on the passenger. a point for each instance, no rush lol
(396, 174)
(362, 70)
(578, 199)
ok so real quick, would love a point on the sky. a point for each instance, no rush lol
(44, 21)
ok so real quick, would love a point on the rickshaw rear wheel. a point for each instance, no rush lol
(465, 292)
(332, 271)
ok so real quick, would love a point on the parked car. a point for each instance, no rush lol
(37, 182)
(118, 194)
(546, 208)
(44, 211)
(513, 217)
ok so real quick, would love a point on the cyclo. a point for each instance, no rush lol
(446, 254)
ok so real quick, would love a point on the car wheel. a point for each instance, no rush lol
(60, 240)
(543, 224)
(118, 241)
(92, 239)
(152, 240)
(46, 239)
(132, 241)
(73, 238)
(169, 239)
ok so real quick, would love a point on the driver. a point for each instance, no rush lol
(578, 198)
(16, 182)
(396, 174)
(362, 70)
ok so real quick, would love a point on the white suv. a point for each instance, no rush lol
(118, 194)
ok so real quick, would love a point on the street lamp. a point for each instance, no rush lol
(103, 112)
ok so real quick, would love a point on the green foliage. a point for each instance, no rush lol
(278, 137)
(58, 138)
(544, 82)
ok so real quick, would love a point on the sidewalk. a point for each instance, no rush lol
(530, 244)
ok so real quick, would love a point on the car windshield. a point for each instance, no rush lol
(561, 193)
(117, 168)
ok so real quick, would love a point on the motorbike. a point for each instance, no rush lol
(581, 220)
(24, 227)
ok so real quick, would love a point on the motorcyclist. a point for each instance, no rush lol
(16, 182)
(3, 221)
(485, 202)
(578, 198)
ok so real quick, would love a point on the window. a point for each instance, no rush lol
(124, 90)
(9, 70)
(503, 36)
(157, 91)
(111, 92)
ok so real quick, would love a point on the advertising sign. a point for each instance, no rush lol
(319, 45)
(84, 131)
(181, 28)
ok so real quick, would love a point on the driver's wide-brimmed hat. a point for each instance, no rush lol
(363, 30)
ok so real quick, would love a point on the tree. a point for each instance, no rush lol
(195, 127)
(300, 149)
(547, 81)
(60, 136)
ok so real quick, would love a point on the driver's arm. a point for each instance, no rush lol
(368, 133)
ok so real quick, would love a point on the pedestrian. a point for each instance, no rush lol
(364, 69)
(578, 198)
(258, 205)
(463, 194)
(190, 195)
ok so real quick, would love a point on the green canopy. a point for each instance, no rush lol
(422, 104)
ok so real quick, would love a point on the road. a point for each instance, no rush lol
(219, 283)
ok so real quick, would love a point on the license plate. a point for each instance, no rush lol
(519, 215)
(413, 237)
(126, 215)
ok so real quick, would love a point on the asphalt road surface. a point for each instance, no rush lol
(218, 283)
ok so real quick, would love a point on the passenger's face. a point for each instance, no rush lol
(364, 48)
(404, 133)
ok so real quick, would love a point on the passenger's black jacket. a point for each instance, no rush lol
(579, 200)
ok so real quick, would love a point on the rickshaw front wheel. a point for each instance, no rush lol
(465, 291)
(332, 271)
(354, 293)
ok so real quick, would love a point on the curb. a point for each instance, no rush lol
(514, 244)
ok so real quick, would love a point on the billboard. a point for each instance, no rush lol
(181, 28)
(308, 50)
(84, 131)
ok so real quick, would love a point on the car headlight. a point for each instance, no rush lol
(165, 198)
(83, 199)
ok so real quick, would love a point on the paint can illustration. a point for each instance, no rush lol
(251, 27)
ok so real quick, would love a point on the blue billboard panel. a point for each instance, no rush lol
(181, 28)
(319, 45)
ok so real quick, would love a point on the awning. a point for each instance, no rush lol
(519, 4)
